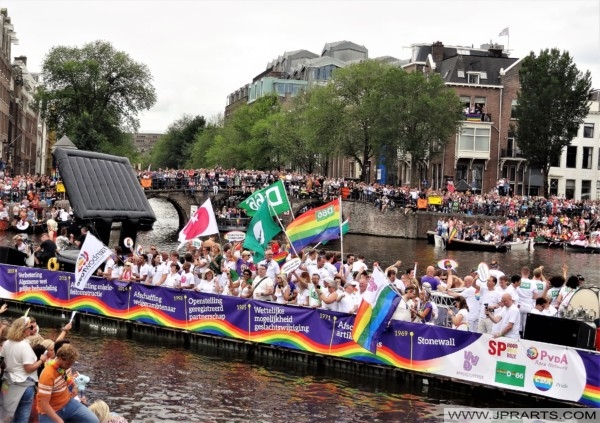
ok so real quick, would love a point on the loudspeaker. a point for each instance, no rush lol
(12, 256)
(559, 331)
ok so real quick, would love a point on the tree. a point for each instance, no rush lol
(173, 149)
(552, 104)
(417, 111)
(93, 94)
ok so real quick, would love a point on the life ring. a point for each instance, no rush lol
(22, 225)
(53, 264)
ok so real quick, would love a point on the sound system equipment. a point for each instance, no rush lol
(12, 256)
(560, 331)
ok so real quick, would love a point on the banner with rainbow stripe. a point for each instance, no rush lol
(316, 225)
(548, 370)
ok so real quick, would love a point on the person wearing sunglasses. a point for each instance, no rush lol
(21, 371)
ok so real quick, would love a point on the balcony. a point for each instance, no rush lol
(511, 154)
(478, 117)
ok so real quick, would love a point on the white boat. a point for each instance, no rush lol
(438, 241)
(526, 245)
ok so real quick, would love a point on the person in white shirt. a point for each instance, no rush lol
(359, 265)
(208, 284)
(188, 280)
(543, 307)
(495, 269)
(145, 270)
(346, 269)
(173, 278)
(402, 312)
(347, 302)
(320, 269)
(329, 295)
(471, 296)
(160, 272)
(488, 300)
(263, 286)
(271, 265)
(527, 292)
(504, 287)
(509, 319)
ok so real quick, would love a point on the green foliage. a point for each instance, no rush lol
(173, 149)
(553, 102)
(93, 94)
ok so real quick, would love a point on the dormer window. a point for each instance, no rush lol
(473, 78)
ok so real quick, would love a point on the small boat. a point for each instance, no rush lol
(542, 242)
(228, 224)
(589, 249)
(28, 228)
(525, 245)
(439, 241)
(460, 245)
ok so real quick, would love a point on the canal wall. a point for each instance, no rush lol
(366, 219)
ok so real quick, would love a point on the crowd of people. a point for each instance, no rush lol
(38, 382)
(324, 280)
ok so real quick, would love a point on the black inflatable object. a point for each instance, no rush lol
(12, 256)
(103, 189)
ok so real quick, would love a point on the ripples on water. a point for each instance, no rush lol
(147, 382)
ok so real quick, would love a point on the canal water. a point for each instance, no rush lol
(151, 380)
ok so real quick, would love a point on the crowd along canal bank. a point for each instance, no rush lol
(407, 350)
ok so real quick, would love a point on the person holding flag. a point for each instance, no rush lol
(202, 223)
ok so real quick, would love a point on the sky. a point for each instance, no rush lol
(199, 51)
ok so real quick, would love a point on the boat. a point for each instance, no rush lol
(228, 224)
(541, 242)
(589, 249)
(28, 227)
(520, 245)
(465, 357)
(461, 245)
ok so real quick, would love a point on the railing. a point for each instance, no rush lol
(478, 117)
(506, 152)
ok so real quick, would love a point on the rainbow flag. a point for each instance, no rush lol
(280, 257)
(376, 309)
(453, 233)
(316, 225)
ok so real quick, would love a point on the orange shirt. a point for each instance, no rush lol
(52, 384)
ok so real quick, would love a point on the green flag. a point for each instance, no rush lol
(275, 193)
(260, 231)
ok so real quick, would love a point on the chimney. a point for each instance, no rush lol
(437, 51)
(22, 59)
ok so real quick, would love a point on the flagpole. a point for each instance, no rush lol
(288, 200)
(283, 228)
(341, 223)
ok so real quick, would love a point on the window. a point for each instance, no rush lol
(586, 163)
(465, 101)
(570, 189)
(460, 73)
(473, 78)
(555, 161)
(513, 109)
(553, 189)
(461, 172)
(571, 157)
(586, 190)
(588, 130)
(474, 139)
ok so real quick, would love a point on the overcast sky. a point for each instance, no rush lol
(199, 51)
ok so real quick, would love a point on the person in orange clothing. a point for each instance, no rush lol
(57, 390)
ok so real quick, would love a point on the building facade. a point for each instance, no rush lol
(577, 174)
(144, 142)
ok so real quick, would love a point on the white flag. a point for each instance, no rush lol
(504, 33)
(202, 223)
(93, 253)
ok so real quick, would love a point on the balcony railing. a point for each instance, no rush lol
(478, 117)
(515, 154)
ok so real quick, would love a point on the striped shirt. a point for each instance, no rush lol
(54, 385)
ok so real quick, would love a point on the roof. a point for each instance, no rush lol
(64, 142)
(101, 186)
(339, 45)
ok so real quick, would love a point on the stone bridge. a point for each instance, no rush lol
(183, 200)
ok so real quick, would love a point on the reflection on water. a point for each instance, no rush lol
(143, 381)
